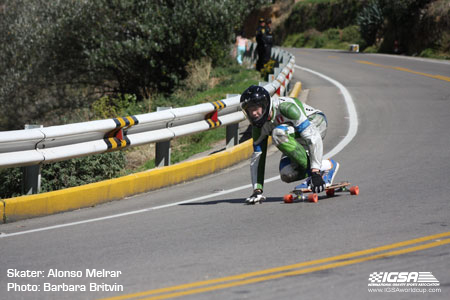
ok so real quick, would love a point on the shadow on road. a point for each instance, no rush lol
(234, 201)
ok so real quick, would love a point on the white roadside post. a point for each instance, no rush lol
(162, 149)
(31, 175)
(232, 130)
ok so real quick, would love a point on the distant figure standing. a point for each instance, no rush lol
(241, 47)
(268, 41)
(261, 44)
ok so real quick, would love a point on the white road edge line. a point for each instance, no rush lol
(351, 109)
(353, 127)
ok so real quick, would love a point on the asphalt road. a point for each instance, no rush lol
(198, 240)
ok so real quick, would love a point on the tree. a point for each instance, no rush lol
(370, 21)
(57, 55)
(41, 60)
(397, 22)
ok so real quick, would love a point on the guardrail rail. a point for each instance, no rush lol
(37, 146)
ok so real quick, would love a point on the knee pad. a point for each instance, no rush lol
(280, 134)
(289, 174)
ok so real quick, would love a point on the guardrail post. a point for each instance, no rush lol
(31, 175)
(232, 130)
(275, 52)
(276, 71)
(232, 135)
(162, 149)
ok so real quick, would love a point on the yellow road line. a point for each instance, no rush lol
(289, 270)
(440, 77)
(299, 272)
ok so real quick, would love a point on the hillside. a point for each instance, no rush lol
(409, 27)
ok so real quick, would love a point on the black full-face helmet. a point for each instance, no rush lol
(256, 96)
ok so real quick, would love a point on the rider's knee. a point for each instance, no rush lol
(288, 174)
(280, 134)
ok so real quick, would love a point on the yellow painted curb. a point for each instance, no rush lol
(29, 206)
(95, 193)
(296, 90)
(2, 210)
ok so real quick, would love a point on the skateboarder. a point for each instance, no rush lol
(297, 131)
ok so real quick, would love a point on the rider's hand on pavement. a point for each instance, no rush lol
(317, 183)
(257, 196)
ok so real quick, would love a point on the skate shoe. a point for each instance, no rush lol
(306, 184)
(330, 174)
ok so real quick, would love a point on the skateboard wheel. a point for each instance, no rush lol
(354, 190)
(330, 193)
(289, 198)
(313, 197)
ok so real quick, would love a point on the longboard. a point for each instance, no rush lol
(306, 194)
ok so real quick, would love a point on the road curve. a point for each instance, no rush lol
(199, 241)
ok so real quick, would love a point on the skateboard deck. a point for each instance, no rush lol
(306, 194)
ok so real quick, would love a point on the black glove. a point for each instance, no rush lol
(317, 183)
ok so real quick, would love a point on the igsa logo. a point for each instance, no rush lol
(402, 277)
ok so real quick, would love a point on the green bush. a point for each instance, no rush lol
(64, 174)
(11, 182)
(319, 42)
(333, 34)
(83, 170)
(371, 49)
(333, 38)
(117, 106)
(268, 69)
(406, 26)
(294, 40)
(430, 53)
(351, 35)
(434, 53)
(60, 55)
(320, 15)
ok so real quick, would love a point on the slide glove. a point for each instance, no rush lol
(317, 183)
(256, 197)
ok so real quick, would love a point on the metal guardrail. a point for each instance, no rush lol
(50, 144)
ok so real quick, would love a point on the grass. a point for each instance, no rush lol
(184, 147)
(231, 79)
(333, 38)
(433, 53)
(204, 84)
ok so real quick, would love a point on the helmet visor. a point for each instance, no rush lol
(254, 111)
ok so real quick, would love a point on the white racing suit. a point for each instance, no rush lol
(297, 131)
